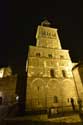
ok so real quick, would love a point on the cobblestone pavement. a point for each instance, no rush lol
(68, 119)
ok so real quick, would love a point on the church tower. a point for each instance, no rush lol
(50, 80)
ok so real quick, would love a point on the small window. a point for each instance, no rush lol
(64, 73)
(38, 54)
(55, 99)
(61, 56)
(38, 102)
(50, 55)
(52, 73)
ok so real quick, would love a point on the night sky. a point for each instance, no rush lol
(19, 21)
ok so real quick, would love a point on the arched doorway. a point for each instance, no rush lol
(69, 91)
(53, 93)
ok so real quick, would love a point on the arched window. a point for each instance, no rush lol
(38, 54)
(52, 73)
(64, 73)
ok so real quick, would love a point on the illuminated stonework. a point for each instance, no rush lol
(50, 80)
(8, 89)
(78, 77)
(5, 71)
(8, 85)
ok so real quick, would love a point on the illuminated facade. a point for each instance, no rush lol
(78, 77)
(80, 69)
(50, 80)
(5, 71)
(7, 86)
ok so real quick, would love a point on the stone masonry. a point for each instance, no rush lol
(50, 80)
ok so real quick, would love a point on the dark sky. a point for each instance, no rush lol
(18, 24)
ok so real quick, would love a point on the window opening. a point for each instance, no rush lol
(64, 73)
(61, 56)
(38, 54)
(52, 73)
(50, 55)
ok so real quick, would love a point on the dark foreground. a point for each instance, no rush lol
(40, 123)
(72, 119)
(67, 118)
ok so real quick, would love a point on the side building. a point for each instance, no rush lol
(8, 85)
(50, 80)
(78, 78)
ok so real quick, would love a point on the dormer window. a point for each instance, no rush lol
(38, 54)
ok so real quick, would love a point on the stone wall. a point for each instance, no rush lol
(50, 80)
(47, 37)
(78, 81)
(8, 89)
(50, 92)
(45, 52)
(81, 72)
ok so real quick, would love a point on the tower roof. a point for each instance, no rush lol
(45, 23)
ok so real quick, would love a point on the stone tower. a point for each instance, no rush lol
(50, 80)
